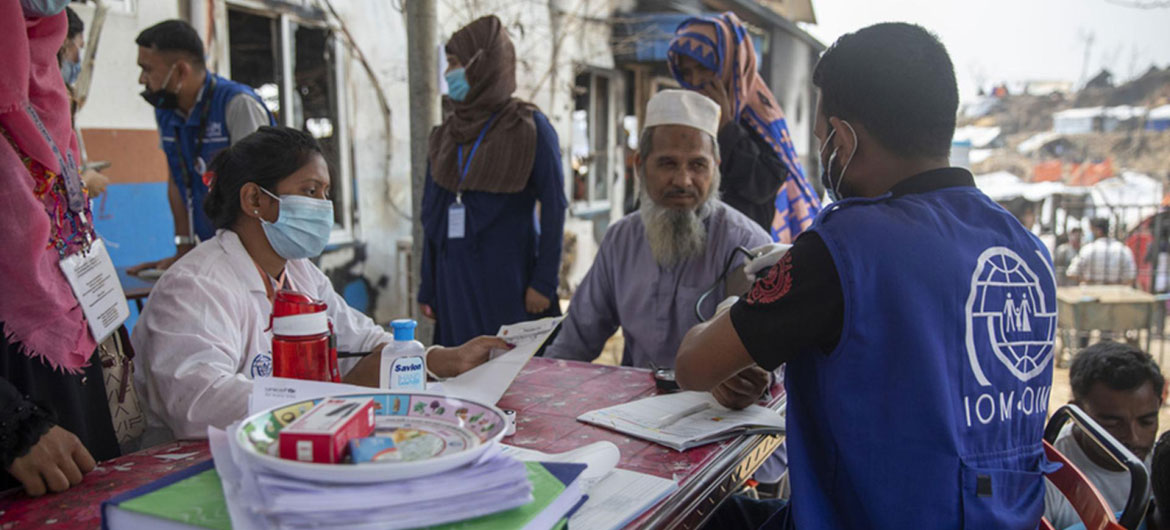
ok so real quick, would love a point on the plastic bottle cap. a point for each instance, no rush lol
(403, 329)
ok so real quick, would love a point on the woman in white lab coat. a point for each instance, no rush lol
(204, 335)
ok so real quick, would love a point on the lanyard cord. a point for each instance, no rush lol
(464, 168)
(268, 289)
(188, 182)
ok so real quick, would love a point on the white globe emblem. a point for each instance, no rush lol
(1007, 311)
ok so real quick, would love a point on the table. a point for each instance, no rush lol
(135, 288)
(1083, 308)
(547, 396)
(80, 507)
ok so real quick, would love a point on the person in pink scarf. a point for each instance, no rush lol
(54, 417)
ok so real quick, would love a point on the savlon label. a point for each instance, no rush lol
(407, 373)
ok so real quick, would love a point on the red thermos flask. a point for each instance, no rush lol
(303, 346)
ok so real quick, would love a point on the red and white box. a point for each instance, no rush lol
(321, 435)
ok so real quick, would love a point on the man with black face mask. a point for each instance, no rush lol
(915, 315)
(198, 114)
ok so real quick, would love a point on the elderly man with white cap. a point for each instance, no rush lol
(656, 263)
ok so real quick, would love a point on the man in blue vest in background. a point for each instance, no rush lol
(916, 318)
(198, 114)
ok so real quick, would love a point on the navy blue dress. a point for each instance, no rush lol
(477, 283)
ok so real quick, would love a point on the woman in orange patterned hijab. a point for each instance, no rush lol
(715, 56)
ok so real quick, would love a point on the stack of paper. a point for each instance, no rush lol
(494, 484)
(615, 497)
(684, 420)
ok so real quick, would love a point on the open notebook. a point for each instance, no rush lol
(684, 420)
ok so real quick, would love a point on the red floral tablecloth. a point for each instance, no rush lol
(80, 507)
(547, 396)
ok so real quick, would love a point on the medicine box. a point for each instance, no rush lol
(322, 434)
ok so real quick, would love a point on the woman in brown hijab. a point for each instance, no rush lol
(489, 258)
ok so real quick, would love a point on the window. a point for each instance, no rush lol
(120, 6)
(263, 47)
(595, 147)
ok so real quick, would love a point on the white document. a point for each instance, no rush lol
(268, 392)
(620, 498)
(96, 286)
(685, 419)
(601, 457)
(488, 381)
(616, 496)
(526, 332)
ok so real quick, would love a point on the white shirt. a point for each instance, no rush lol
(1113, 485)
(201, 337)
(1104, 261)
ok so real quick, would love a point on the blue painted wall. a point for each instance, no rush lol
(135, 220)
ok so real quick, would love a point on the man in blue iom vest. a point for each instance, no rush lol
(198, 114)
(916, 317)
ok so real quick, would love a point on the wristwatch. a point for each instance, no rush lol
(185, 240)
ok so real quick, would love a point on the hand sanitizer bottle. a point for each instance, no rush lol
(402, 365)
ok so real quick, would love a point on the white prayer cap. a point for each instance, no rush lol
(683, 107)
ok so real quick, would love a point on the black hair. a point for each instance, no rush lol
(174, 36)
(1119, 366)
(264, 157)
(897, 80)
(1160, 473)
(1100, 223)
(76, 26)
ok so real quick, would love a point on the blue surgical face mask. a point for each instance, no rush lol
(302, 228)
(70, 70)
(457, 86)
(42, 8)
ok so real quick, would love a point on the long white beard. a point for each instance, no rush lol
(675, 235)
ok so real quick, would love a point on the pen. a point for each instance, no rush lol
(671, 419)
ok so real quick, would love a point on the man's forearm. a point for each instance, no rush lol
(178, 210)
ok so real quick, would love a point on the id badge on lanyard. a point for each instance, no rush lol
(457, 212)
(95, 283)
(456, 219)
(90, 272)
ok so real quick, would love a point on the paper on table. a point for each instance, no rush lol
(620, 498)
(257, 500)
(488, 381)
(616, 496)
(268, 392)
(601, 457)
(710, 421)
(239, 488)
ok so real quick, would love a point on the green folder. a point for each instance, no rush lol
(194, 497)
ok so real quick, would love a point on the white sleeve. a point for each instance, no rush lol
(1074, 266)
(355, 332)
(1130, 267)
(192, 335)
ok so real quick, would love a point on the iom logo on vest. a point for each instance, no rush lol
(1011, 322)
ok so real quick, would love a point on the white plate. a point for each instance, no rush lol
(433, 433)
